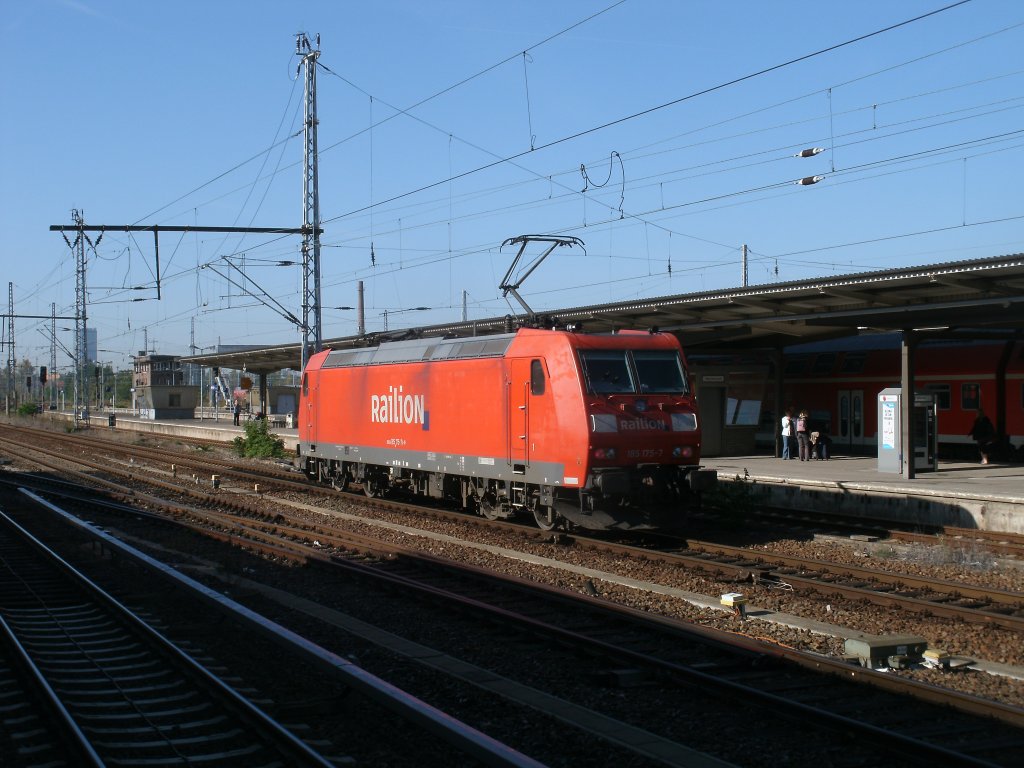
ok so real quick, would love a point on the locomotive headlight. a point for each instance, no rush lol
(603, 454)
(604, 422)
(684, 422)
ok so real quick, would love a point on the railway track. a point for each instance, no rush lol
(954, 600)
(285, 478)
(745, 566)
(271, 475)
(745, 678)
(276, 653)
(777, 518)
(122, 693)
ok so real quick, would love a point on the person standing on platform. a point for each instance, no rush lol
(803, 436)
(238, 411)
(984, 435)
(787, 434)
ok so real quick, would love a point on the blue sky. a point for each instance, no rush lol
(190, 113)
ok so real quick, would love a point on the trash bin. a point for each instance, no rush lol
(111, 420)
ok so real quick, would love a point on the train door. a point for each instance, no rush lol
(849, 431)
(711, 401)
(519, 415)
(308, 415)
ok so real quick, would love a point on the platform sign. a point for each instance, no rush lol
(889, 436)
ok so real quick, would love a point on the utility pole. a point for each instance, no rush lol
(744, 265)
(10, 345)
(53, 355)
(192, 351)
(362, 313)
(312, 340)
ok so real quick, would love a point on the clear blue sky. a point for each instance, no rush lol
(181, 113)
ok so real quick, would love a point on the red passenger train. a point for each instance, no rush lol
(838, 383)
(595, 431)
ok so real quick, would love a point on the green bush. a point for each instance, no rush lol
(28, 409)
(258, 442)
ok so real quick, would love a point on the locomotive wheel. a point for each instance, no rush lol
(546, 518)
(488, 506)
(374, 487)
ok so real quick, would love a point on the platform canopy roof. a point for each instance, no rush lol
(979, 298)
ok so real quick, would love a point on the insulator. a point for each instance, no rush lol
(810, 152)
(808, 180)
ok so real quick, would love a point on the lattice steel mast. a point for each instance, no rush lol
(81, 348)
(53, 355)
(11, 362)
(312, 339)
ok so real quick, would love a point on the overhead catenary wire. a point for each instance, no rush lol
(572, 27)
(672, 103)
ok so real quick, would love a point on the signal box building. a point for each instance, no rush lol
(159, 390)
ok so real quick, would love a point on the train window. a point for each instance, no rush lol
(824, 363)
(795, 366)
(660, 372)
(606, 371)
(970, 397)
(853, 362)
(942, 395)
(536, 378)
(305, 384)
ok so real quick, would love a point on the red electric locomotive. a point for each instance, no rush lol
(595, 431)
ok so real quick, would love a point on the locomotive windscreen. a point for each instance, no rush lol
(615, 372)
(660, 372)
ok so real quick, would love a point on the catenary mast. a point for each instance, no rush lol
(311, 315)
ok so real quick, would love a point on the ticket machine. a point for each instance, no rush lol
(890, 434)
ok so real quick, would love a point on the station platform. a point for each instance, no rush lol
(962, 494)
(213, 427)
(967, 495)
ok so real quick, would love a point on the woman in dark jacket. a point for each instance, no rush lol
(984, 435)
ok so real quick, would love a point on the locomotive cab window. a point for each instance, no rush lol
(305, 383)
(607, 372)
(660, 372)
(536, 378)
(616, 372)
